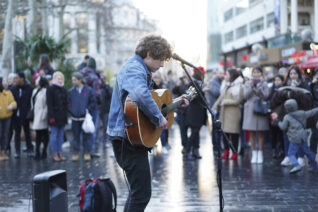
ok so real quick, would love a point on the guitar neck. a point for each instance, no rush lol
(169, 108)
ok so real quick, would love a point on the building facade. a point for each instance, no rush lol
(104, 29)
(260, 32)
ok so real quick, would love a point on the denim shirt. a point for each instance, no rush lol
(134, 79)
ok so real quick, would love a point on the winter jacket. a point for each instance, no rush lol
(56, 98)
(40, 121)
(48, 73)
(79, 102)
(22, 95)
(230, 106)
(6, 99)
(214, 92)
(252, 121)
(294, 121)
(92, 80)
(195, 113)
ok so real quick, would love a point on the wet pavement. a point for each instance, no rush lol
(177, 185)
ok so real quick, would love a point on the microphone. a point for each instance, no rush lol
(176, 57)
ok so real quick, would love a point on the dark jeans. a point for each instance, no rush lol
(234, 138)
(314, 140)
(194, 139)
(27, 133)
(164, 137)
(134, 161)
(181, 120)
(95, 117)
(4, 133)
(294, 148)
(10, 134)
(277, 138)
(77, 132)
(42, 136)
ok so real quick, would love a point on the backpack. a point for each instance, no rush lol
(98, 196)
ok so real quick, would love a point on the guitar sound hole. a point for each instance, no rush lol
(164, 112)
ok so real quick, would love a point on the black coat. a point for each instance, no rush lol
(106, 97)
(56, 98)
(195, 113)
(23, 101)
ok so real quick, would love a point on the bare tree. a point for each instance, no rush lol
(8, 39)
(31, 16)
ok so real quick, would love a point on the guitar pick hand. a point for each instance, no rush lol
(164, 124)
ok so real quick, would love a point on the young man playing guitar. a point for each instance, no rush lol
(134, 79)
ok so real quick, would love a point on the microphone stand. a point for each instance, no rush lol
(217, 125)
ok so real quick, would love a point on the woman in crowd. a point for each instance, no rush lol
(57, 114)
(40, 121)
(254, 90)
(45, 69)
(229, 103)
(277, 106)
(7, 105)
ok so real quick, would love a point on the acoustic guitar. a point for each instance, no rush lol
(143, 132)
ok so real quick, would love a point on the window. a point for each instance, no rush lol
(241, 32)
(241, 6)
(67, 28)
(253, 3)
(270, 20)
(228, 37)
(257, 25)
(305, 3)
(228, 15)
(82, 32)
(303, 19)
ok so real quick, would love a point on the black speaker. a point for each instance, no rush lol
(50, 192)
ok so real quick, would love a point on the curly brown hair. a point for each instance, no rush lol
(157, 46)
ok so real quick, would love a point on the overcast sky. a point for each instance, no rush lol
(183, 23)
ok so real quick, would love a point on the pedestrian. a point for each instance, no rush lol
(179, 90)
(134, 79)
(11, 83)
(40, 121)
(80, 100)
(196, 117)
(255, 89)
(45, 69)
(84, 63)
(294, 123)
(229, 103)
(106, 96)
(7, 106)
(212, 93)
(277, 106)
(57, 114)
(22, 93)
(91, 78)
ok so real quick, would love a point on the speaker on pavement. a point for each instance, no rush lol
(50, 192)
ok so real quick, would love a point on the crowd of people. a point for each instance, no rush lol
(46, 105)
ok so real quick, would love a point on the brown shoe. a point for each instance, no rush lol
(1, 155)
(5, 156)
(87, 156)
(61, 156)
(55, 157)
(75, 156)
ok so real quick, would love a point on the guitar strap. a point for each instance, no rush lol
(128, 121)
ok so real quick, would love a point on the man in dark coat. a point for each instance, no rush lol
(22, 93)
(196, 117)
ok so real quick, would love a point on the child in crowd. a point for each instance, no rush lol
(294, 123)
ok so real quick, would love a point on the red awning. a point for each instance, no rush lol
(311, 63)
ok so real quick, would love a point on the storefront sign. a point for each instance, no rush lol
(288, 52)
